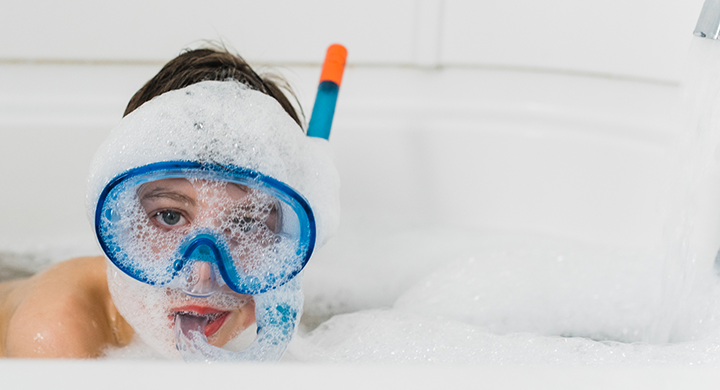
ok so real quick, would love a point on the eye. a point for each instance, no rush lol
(170, 218)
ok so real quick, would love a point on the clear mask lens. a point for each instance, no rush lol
(169, 225)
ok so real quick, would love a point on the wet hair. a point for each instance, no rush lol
(194, 66)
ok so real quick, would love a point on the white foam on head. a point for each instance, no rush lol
(226, 123)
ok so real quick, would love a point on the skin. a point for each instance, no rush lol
(67, 311)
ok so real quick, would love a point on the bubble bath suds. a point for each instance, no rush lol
(443, 295)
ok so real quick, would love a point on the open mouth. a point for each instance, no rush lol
(201, 319)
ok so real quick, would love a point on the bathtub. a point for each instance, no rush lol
(75, 375)
(433, 159)
(568, 156)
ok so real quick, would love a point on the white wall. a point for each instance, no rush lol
(550, 116)
(639, 38)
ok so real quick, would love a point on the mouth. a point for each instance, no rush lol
(199, 318)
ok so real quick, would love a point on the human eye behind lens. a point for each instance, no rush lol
(169, 203)
(169, 218)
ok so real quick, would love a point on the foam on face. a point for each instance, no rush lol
(149, 310)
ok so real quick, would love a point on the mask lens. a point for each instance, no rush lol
(261, 234)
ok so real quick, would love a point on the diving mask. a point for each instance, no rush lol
(158, 223)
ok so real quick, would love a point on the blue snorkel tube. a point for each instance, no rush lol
(278, 311)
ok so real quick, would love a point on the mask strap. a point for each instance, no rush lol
(277, 313)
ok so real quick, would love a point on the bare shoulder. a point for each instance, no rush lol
(65, 311)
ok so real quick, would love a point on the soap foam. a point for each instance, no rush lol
(510, 298)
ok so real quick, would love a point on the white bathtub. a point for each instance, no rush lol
(123, 375)
(564, 155)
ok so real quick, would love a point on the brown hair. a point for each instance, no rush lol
(198, 65)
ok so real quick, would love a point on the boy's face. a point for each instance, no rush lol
(174, 208)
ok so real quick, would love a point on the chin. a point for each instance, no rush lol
(150, 311)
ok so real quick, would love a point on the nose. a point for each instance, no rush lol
(201, 270)
(201, 281)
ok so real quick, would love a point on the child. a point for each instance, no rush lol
(208, 201)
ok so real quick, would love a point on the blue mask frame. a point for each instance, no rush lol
(234, 278)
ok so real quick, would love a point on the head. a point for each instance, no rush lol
(206, 187)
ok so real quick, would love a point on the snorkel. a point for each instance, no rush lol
(327, 94)
(216, 132)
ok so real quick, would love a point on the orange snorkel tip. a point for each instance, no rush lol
(334, 65)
